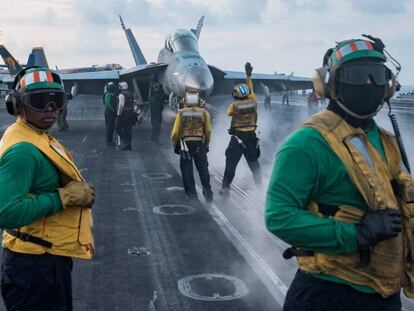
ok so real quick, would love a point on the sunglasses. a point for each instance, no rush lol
(41, 100)
(360, 73)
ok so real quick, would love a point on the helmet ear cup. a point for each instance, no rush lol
(322, 76)
(320, 83)
(11, 103)
(390, 87)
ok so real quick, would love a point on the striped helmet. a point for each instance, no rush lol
(241, 91)
(33, 79)
(354, 49)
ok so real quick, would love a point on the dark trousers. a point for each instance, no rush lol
(156, 120)
(307, 293)
(234, 152)
(198, 153)
(110, 125)
(124, 131)
(36, 282)
(285, 98)
(267, 103)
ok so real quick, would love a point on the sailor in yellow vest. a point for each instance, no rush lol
(191, 139)
(45, 204)
(341, 195)
(243, 141)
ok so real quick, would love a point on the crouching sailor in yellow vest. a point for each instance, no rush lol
(191, 138)
(45, 204)
(341, 195)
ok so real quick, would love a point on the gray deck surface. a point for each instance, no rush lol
(226, 238)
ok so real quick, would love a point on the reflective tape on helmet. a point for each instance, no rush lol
(353, 46)
(35, 77)
(244, 90)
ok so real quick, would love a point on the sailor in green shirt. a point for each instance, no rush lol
(309, 170)
(45, 204)
(109, 100)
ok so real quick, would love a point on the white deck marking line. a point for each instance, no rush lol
(273, 283)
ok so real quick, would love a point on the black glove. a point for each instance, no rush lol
(248, 68)
(207, 149)
(177, 149)
(377, 225)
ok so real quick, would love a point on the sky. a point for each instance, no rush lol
(274, 35)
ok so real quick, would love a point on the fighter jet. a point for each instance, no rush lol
(10, 62)
(36, 58)
(180, 67)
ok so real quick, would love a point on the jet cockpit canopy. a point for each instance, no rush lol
(181, 40)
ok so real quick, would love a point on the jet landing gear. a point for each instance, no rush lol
(174, 101)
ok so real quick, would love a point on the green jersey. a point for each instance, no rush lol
(28, 186)
(110, 102)
(307, 169)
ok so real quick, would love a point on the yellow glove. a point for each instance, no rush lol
(77, 194)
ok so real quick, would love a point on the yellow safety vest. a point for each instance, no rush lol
(391, 264)
(244, 116)
(70, 229)
(192, 120)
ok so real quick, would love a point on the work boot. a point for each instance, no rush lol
(192, 196)
(125, 147)
(225, 191)
(208, 195)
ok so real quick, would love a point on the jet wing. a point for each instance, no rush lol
(277, 82)
(8, 80)
(142, 71)
(95, 75)
(89, 82)
(94, 82)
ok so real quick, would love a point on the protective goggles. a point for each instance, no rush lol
(41, 100)
(359, 73)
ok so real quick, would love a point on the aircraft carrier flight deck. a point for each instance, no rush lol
(157, 250)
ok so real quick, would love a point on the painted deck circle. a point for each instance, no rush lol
(212, 287)
(157, 176)
(173, 210)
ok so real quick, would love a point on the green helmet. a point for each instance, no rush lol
(34, 79)
(353, 49)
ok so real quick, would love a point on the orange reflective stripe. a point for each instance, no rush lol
(49, 77)
(22, 83)
(354, 47)
(36, 76)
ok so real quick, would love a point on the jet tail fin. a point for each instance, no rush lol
(133, 44)
(197, 31)
(11, 63)
(37, 58)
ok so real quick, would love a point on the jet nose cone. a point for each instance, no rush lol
(198, 78)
